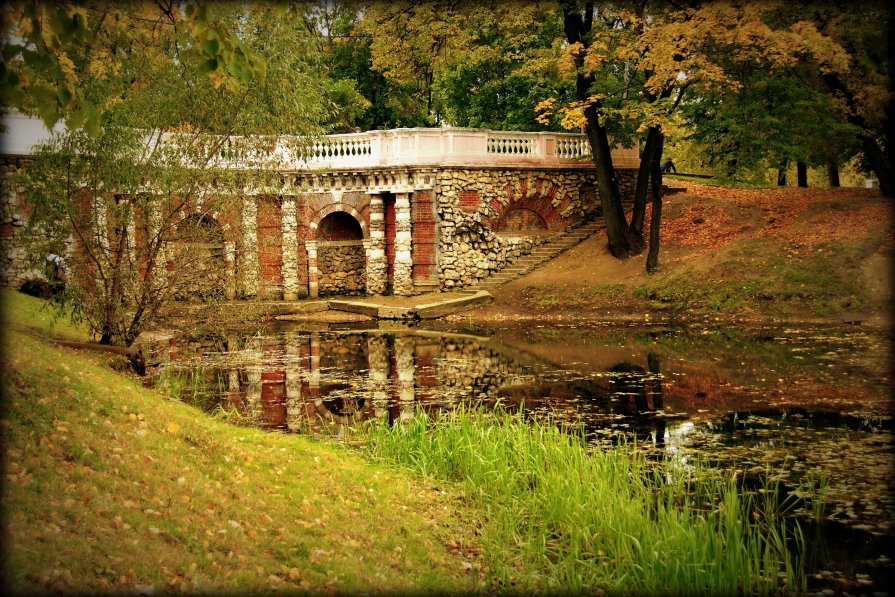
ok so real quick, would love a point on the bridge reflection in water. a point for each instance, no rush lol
(327, 381)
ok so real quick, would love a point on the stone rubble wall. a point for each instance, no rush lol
(15, 267)
(342, 266)
(471, 202)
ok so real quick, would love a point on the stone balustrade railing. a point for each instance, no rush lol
(453, 147)
(398, 147)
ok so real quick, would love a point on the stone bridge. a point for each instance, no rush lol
(400, 211)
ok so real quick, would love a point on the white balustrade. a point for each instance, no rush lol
(444, 147)
(572, 148)
(512, 144)
(434, 147)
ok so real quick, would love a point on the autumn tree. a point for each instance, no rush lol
(862, 90)
(134, 194)
(634, 62)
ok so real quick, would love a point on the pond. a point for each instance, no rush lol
(781, 404)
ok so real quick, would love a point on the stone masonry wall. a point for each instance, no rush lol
(342, 267)
(470, 204)
(14, 263)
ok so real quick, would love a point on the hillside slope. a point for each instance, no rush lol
(757, 254)
(109, 487)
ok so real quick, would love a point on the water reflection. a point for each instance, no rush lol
(785, 404)
(790, 401)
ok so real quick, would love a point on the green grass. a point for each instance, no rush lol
(38, 317)
(823, 283)
(567, 518)
(111, 487)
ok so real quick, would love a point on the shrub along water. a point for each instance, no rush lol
(564, 516)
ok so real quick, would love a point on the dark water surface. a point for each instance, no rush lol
(788, 405)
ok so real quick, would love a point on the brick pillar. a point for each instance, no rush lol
(313, 272)
(377, 276)
(250, 270)
(403, 278)
(290, 250)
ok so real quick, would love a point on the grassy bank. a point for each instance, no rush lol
(568, 519)
(110, 487)
(113, 487)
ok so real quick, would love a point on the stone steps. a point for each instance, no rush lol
(539, 255)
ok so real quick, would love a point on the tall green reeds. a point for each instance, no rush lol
(564, 517)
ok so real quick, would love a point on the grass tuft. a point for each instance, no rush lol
(565, 516)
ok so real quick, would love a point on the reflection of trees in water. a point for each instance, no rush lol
(636, 393)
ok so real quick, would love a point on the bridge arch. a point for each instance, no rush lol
(323, 212)
(337, 234)
(199, 258)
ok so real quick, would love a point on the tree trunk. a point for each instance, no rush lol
(833, 173)
(135, 356)
(576, 26)
(802, 174)
(610, 199)
(652, 258)
(635, 230)
(781, 177)
(880, 163)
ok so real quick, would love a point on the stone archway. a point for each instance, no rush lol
(341, 256)
(197, 258)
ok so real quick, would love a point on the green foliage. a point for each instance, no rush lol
(153, 168)
(509, 71)
(773, 118)
(49, 48)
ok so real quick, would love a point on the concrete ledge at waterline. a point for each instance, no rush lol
(388, 312)
(446, 307)
(370, 309)
(298, 307)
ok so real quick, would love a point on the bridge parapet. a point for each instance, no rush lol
(464, 147)
(454, 147)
